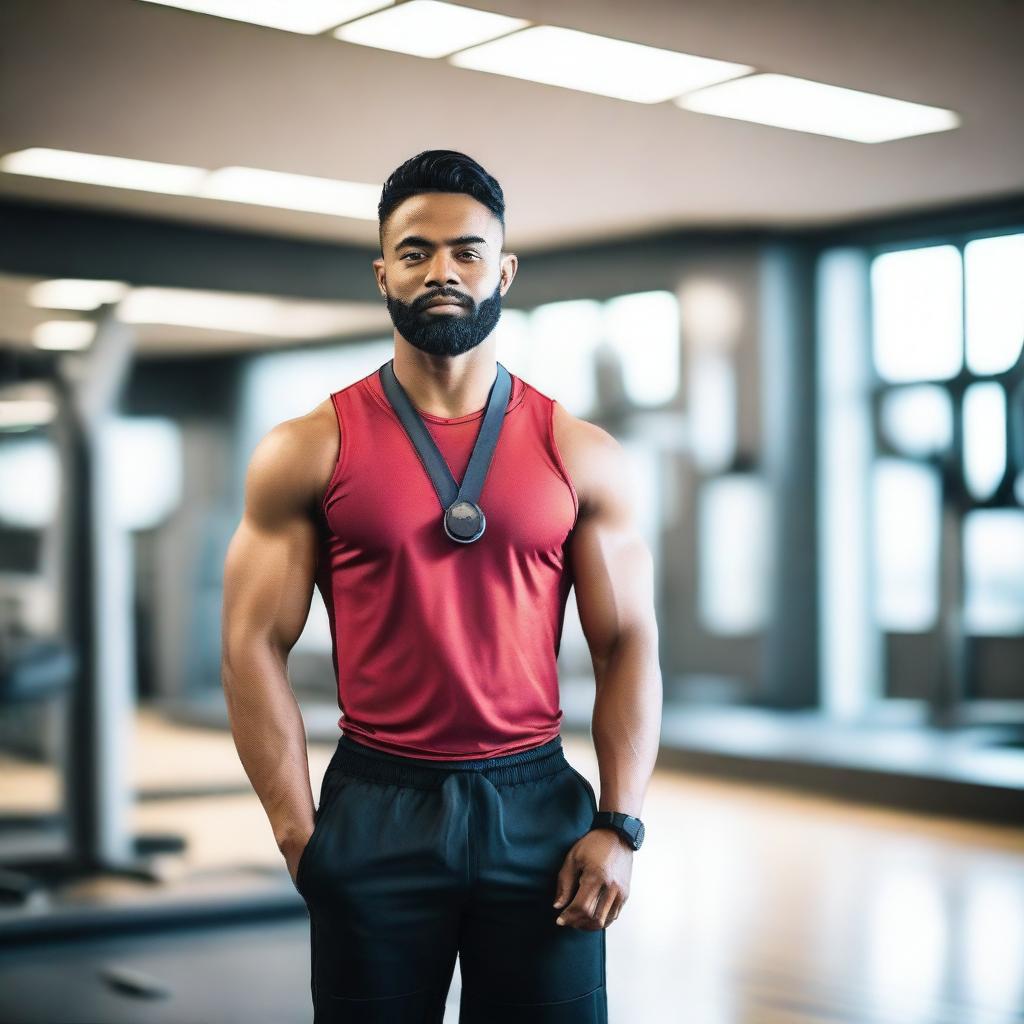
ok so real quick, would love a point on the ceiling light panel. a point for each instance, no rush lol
(306, 16)
(355, 199)
(427, 28)
(92, 169)
(805, 106)
(293, 192)
(73, 293)
(597, 64)
(231, 311)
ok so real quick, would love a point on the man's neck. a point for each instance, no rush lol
(446, 386)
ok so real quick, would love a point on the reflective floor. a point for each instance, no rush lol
(748, 906)
(773, 908)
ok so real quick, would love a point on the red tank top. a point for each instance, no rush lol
(445, 650)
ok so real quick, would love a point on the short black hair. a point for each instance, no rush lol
(440, 170)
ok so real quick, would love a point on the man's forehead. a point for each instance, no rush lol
(440, 216)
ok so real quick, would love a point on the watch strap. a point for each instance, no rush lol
(628, 826)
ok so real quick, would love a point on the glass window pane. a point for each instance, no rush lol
(643, 328)
(916, 310)
(994, 571)
(994, 269)
(512, 343)
(146, 467)
(917, 420)
(711, 397)
(733, 552)
(984, 438)
(905, 525)
(565, 336)
(29, 481)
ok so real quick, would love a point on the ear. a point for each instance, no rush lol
(509, 265)
(378, 272)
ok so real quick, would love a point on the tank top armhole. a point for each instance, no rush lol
(339, 464)
(561, 464)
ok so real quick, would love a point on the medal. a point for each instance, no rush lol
(464, 521)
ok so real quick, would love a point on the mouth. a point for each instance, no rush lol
(444, 305)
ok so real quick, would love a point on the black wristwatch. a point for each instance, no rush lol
(631, 829)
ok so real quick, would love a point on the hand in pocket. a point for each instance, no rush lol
(293, 851)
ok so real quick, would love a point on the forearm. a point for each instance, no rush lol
(270, 737)
(627, 721)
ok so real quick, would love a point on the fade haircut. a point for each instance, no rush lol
(440, 170)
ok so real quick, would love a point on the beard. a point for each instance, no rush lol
(446, 334)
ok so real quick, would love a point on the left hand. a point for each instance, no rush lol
(602, 862)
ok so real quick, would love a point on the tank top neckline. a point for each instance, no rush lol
(373, 382)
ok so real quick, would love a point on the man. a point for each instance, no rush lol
(450, 822)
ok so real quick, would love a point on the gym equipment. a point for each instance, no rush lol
(97, 615)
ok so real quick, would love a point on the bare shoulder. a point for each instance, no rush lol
(594, 459)
(292, 464)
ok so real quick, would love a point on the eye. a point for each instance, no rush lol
(469, 252)
(410, 254)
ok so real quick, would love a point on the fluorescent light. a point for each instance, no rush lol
(293, 192)
(237, 184)
(63, 334)
(69, 293)
(230, 311)
(306, 16)
(427, 28)
(92, 169)
(805, 106)
(597, 64)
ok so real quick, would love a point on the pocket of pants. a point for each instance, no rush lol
(327, 789)
(304, 856)
(587, 786)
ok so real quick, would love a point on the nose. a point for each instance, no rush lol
(441, 270)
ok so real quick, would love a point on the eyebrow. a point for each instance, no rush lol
(425, 243)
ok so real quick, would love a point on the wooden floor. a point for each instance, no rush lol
(748, 905)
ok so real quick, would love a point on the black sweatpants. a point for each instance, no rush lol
(414, 861)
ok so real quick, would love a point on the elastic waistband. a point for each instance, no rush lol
(355, 758)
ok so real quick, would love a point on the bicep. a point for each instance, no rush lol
(271, 559)
(268, 584)
(611, 562)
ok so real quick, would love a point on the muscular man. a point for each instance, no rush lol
(449, 821)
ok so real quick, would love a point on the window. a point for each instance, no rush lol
(916, 306)
(995, 302)
(905, 526)
(984, 438)
(733, 553)
(643, 331)
(948, 329)
(563, 348)
(994, 558)
(917, 420)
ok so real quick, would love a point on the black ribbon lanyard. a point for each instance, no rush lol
(464, 520)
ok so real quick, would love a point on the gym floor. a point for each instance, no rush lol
(749, 905)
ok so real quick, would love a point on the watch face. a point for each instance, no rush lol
(639, 835)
